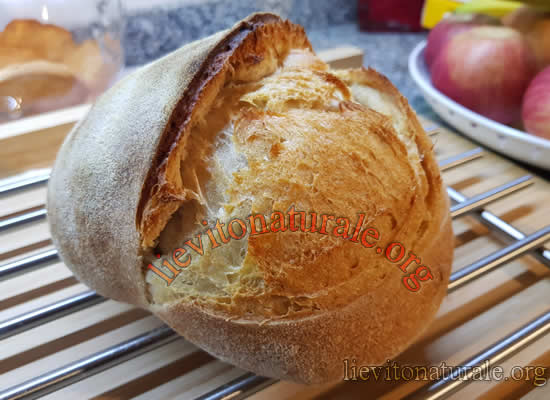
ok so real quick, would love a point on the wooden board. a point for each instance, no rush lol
(470, 319)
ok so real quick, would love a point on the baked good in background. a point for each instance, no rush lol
(249, 122)
(43, 69)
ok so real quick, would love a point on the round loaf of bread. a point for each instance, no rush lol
(280, 215)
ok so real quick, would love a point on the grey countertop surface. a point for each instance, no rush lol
(386, 52)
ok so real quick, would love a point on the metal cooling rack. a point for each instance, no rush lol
(248, 383)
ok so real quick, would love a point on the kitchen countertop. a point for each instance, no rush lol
(386, 52)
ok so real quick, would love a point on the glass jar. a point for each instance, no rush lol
(56, 54)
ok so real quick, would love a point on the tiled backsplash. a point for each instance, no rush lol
(156, 30)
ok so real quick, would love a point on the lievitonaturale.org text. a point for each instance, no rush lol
(414, 272)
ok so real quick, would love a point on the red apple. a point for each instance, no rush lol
(486, 69)
(449, 27)
(536, 105)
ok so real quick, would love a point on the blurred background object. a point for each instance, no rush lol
(390, 15)
(55, 54)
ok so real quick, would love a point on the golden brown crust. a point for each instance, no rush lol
(124, 173)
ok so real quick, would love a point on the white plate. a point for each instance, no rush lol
(512, 142)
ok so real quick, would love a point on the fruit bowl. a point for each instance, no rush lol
(502, 138)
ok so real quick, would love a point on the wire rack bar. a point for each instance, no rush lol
(496, 224)
(460, 159)
(21, 219)
(91, 365)
(239, 388)
(26, 264)
(51, 312)
(476, 202)
(432, 130)
(496, 353)
(24, 180)
(498, 258)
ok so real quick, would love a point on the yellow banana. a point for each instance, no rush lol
(494, 8)
(434, 10)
